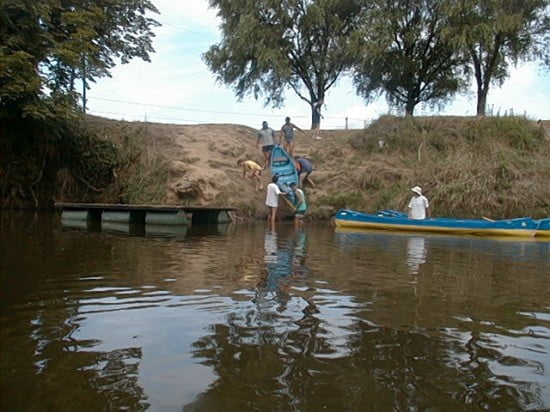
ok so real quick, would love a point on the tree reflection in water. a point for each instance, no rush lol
(306, 357)
(47, 344)
(318, 321)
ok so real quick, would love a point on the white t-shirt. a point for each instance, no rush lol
(272, 198)
(418, 205)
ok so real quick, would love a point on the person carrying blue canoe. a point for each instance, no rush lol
(304, 165)
(272, 200)
(301, 206)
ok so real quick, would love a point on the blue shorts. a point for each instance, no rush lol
(267, 148)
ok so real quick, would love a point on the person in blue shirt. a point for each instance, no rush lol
(304, 165)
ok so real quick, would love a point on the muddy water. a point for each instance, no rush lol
(239, 318)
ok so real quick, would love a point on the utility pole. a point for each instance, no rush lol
(84, 100)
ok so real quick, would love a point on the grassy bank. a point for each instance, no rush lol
(468, 167)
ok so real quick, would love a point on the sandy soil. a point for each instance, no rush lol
(202, 161)
(203, 164)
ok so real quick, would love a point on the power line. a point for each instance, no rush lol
(205, 111)
(138, 117)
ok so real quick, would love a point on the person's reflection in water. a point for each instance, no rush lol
(284, 262)
(416, 254)
(299, 267)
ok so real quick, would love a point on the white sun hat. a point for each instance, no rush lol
(417, 190)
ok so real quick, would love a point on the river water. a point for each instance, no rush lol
(241, 318)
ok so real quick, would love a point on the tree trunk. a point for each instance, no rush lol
(409, 107)
(481, 100)
(316, 105)
(315, 118)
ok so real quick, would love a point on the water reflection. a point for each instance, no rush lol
(248, 319)
(151, 230)
(178, 231)
(416, 253)
(418, 246)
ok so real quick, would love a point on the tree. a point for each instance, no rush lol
(46, 45)
(406, 57)
(268, 46)
(495, 33)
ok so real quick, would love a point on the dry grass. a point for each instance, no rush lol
(468, 167)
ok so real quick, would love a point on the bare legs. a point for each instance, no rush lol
(255, 176)
(316, 132)
(307, 179)
(272, 217)
(289, 147)
(267, 158)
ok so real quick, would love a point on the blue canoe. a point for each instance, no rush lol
(283, 165)
(392, 220)
(543, 227)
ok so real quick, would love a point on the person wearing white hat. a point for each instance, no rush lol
(419, 208)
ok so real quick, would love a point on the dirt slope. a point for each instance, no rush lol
(201, 161)
(468, 167)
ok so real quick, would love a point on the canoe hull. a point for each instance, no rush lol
(283, 165)
(521, 227)
(543, 228)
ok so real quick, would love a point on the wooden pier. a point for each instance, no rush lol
(145, 214)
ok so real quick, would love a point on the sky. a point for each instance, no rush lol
(177, 86)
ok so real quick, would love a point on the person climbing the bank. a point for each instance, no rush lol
(287, 132)
(272, 200)
(304, 165)
(419, 208)
(301, 205)
(252, 170)
(266, 138)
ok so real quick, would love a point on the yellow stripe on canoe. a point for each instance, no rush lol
(440, 229)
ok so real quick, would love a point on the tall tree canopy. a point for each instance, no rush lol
(405, 55)
(495, 33)
(270, 45)
(45, 45)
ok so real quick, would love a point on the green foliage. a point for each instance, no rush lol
(91, 158)
(517, 132)
(269, 46)
(36, 149)
(494, 33)
(46, 45)
(406, 57)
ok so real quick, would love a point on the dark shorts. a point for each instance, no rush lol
(305, 166)
(289, 139)
(267, 148)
